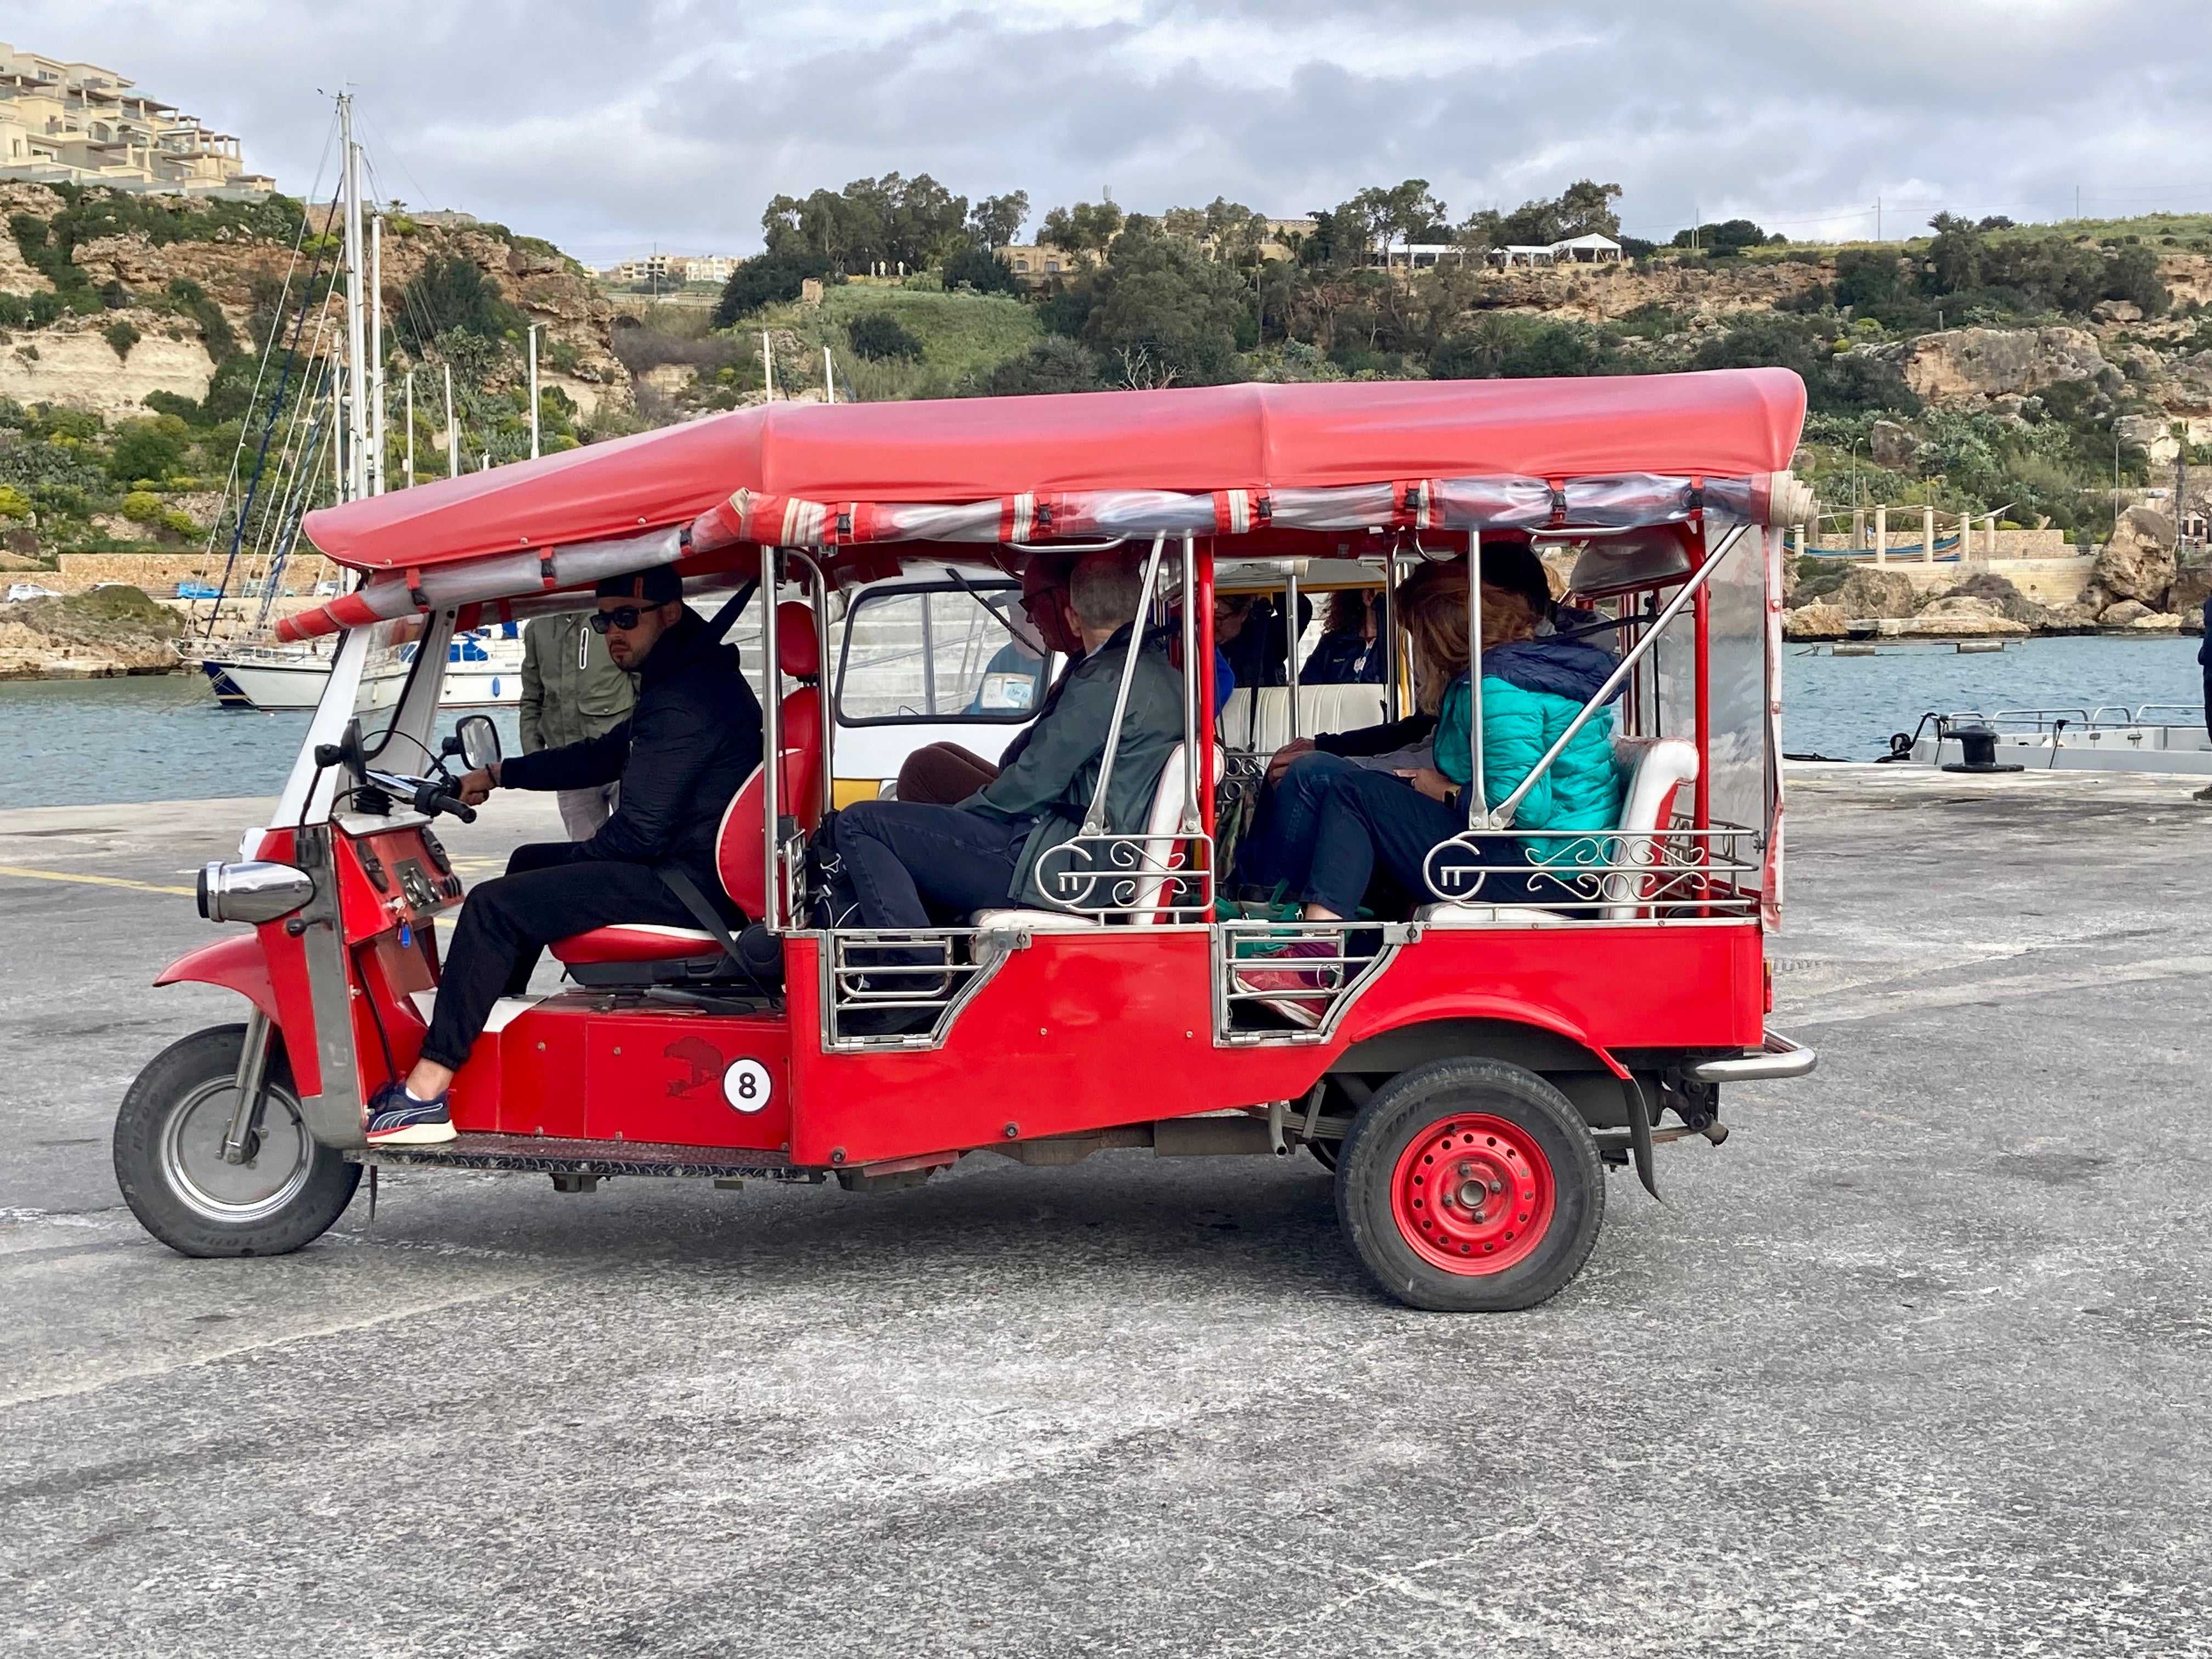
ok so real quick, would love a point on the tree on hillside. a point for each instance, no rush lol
(769, 279)
(892, 220)
(977, 267)
(1161, 313)
(1585, 209)
(996, 220)
(452, 294)
(1086, 227)
(1723, 237)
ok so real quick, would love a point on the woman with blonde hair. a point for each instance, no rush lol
(1535, 683)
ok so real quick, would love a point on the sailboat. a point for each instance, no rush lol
(335, 419)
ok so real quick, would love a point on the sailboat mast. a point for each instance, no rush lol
(411, 429)
(376, 357)
(452, 432)
(356, 470)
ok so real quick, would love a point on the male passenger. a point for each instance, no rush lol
(908, 861)
(693, 740)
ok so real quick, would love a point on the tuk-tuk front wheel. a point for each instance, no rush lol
(1470, 1186)
(169, 1161)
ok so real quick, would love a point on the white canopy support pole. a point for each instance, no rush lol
(1290, 646)
(1478, 798)
(767, 366)
(376, 355)
(771, 702)
(453, 430)
(533, 391)
(828, 377)
(411, 429)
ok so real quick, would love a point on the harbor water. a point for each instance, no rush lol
(78, 741)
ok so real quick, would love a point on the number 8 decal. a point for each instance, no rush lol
(746, 1085)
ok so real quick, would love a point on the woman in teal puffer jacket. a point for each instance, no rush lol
(1532, 690)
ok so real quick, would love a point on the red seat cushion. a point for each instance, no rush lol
(636, 941)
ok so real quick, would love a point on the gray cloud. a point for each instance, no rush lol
(608, 127)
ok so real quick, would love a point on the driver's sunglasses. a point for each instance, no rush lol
(623, 616)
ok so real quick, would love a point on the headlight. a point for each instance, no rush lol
(256, 891)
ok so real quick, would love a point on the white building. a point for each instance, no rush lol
(674, 269)
(79, 124)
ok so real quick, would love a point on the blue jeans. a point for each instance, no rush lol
(1371, 817)
(908, 861)
(1281, 849)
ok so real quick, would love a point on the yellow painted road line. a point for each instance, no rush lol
(94, 881)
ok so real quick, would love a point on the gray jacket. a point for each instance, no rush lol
(571, 688)
(1052, 772)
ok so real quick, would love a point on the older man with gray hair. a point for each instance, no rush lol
(913, 864)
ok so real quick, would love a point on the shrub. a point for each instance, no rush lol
(769, 279)
(150, 448)
(877, 335)
(981, 270)
(1054, 364)
(179, 522)
(14, 503)
(122, 337)
(142, 507)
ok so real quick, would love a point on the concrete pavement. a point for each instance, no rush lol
(1916, 1363)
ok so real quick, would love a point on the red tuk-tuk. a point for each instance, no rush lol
(1469, 1067)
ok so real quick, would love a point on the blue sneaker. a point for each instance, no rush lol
(396, 1118)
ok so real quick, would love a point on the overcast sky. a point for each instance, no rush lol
(613, 125)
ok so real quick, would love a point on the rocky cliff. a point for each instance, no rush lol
(140, 340)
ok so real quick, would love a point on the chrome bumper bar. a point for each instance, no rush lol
(1780, 1058)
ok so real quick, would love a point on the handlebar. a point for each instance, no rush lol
(429, 796)
(434, 801)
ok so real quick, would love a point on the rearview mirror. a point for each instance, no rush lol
(479, 741)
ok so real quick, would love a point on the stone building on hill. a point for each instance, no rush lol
(78, 123)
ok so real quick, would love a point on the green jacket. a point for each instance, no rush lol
(1053, 771)
(566, 700)
(1581, 792)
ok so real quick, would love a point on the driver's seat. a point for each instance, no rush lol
(648, 953)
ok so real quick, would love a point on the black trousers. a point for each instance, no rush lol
(917, 865)
(1367, 816)
(547, 893)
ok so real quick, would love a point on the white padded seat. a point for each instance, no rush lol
(1162, 825)
(1256, 719)
(1655, 768)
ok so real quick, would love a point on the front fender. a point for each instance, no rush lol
(236, 963)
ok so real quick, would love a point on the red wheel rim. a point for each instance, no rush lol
(1472, 1193)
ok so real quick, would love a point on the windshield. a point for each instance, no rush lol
(385, 676)
(936, 654)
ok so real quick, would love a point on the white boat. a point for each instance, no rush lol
(2157, 737)
(484, 670)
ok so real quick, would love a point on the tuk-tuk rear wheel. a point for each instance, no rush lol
(1470, 1185)
(169, 1162)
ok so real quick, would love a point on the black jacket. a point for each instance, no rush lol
(689, 744)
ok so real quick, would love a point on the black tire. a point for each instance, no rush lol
(168, 1161)
(1493, 1131)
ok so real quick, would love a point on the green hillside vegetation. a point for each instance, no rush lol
(1186, 298)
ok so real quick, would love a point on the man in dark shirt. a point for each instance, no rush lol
(693, 739)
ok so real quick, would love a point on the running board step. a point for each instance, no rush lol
(545, 1155)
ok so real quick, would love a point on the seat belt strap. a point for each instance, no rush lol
(709, 918)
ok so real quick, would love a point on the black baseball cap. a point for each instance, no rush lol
(655, 586)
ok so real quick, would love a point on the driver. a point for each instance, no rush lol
(692, 740)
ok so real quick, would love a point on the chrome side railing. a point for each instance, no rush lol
(1136, 877)
(1607, 875)
(1338, 961)
(904, 990)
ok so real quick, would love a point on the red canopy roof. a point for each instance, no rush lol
(1729, 424)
